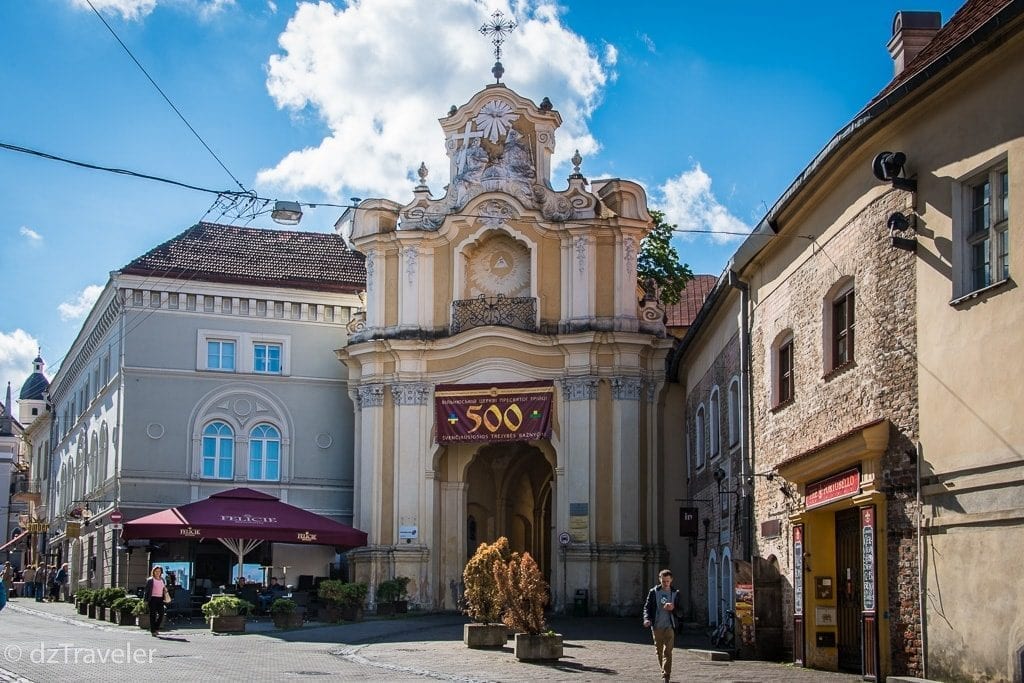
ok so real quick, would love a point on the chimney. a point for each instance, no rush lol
(911, 32)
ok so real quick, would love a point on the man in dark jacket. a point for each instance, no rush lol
(662, 609)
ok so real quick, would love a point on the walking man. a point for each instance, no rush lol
(661, 610)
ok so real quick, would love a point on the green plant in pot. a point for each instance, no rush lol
(285, 613)
(84, 598)
(523, 592)
(480, 596)
(387, 593)
(344, 600)
(226, 613)
(123, 610)
(141, 611)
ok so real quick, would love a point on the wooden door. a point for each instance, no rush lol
(848, 589)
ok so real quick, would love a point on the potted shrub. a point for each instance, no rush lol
(226, 613)
(387, 593)
(123, 610)
(110, 596)
(83, 598)
(480, 596)
(100, 600)
(285, 613)
(344, 600)
(141, 611)
(402, 601)
(524, 594)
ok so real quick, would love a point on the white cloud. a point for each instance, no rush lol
(31, 236)
(688, 201)
(272, 6)
(379, 73)
(611, 54)
(17, 351)
(648, 42)
(135, 10)
(73, 310)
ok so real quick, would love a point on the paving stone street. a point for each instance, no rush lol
(51, 642)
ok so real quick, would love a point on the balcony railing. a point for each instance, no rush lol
(519, 312)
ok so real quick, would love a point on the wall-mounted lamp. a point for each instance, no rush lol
(900, 225)
(719, 475)
(807, 563)
(887, 167)
(286, 213)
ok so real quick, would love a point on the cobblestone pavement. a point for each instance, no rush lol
(51, 642)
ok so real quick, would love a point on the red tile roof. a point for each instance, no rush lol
(683, 313)
(968, 19)
(279, 258)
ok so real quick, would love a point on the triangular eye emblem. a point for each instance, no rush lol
(501, 262)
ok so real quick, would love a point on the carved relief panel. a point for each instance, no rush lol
(497, 265)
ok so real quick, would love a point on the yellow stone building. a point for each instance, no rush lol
(507, 371)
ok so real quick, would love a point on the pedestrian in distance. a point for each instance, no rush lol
(54, 586)
(156, 594)
(8, 577)
(29, 577)
(42, 581)
(61, 579)
(662, 610)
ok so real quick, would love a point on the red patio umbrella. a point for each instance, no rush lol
(239, 515)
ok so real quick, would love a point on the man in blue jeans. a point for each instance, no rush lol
(661, 610)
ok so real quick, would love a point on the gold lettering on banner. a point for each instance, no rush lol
(189, 531)
(306, 536)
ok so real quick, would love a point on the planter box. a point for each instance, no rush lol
(112, 615)
(123, 617)
(352, 613)
(401, 606)
(538, 648)
(232, 624)
(91, 611)
(385, 609)
(329, 613)
(143, 621)
(101, 613)
(478, 636)
(293, 620)
(83, 608)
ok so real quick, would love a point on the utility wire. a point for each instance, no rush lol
(166, 98)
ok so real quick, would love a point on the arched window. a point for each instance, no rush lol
(265, 453)
(218, 451)
(728, 589)
(713, 604)
(734, 412)
(104, 451)
(838, 325)
(95, 475)
(700, 442)
(714, 424)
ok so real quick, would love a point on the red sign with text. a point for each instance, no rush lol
(493, 412)
(832, 488)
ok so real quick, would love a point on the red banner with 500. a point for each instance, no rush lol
(493, 412)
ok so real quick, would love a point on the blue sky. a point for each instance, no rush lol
(714, 107)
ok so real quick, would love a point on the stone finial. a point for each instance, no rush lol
(422, 172)
(576, 161)
(498, 71)
(545, 105)
(451, 112)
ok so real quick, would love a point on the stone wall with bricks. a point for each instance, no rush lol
(880, 382)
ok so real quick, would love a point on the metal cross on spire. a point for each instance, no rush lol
(497, 29)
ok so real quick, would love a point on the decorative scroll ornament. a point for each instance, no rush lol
(496, 213)
(579, 388)
(629, 252)
(410, 393)
(369, 271)
(371, 396)
(626, 388)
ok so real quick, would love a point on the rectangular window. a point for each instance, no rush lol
(329, 314)
(842, 330)
(137, 297)
(226, 305)
(208, 303)
(261, 309)
(190, 302)
(172, 300)
(154, 299)
(984, 245)
(220, 355)
(278, 309)
(266, 358)
(243, 307)
(785, 378)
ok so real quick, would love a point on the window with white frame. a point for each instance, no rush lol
(220, 355)
(714, 424)
(218, 451)
(700, 441)
(734, 412)
(983, 232)
(266, 358)
(265, 453)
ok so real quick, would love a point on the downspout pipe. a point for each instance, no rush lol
(746, 418)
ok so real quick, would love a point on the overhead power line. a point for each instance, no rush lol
(166, 98)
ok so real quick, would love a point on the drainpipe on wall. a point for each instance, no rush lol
(920, 569)
(746, 419)
(115, 553)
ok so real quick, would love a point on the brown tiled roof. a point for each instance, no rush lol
(692, 298)
(968, 19)
(279, 258)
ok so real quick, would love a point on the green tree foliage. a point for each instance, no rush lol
(482, 603)
(523, 592)
(659, 261)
